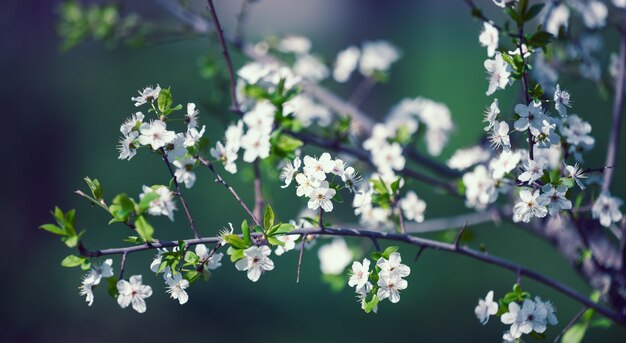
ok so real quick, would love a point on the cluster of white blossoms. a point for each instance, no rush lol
(155, 135)
(93, 278)
(374, 57)
(255, 141)
(388, 277)
(316, 180)
(529, 316)
(163, 204)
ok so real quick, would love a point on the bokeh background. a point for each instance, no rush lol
(61, 114)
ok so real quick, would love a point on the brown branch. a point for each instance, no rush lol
(618, 108)
(180, 194)
(412, 240)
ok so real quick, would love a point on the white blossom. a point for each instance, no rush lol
(388, 157)
(359, 276)
(351, 179)
(226, 156)
(480, 188)
(505, 163)
(559, 17)
(345, 64)
(306, 184)
(499, 136)
(307, 111)
(146, 95)
(261, 117)
(561, 101)
(491, 114)
(295, 44)
(393, 267)
(489, 38)
(413, 207)
(606, 209)
(289, 243)
(486, 308)
(128, 146)
(594, 14)
(529, 206)
(255, 262)
(377, 57)
(334, 257)
(207, 260)
(132, 123)
(310, 67)
(184, 171)
(533, 170)
(176, 286)
(499, 72)
(133, 292)
(576, 173)
(530, 116)
(468, 157)
(289, 170)
(233, 136)
(193, 136)
(155, 134)
(555, 198)
(390, 287)
(93, 278)
(322, 197)
(256, 144)
(526, 319)
(163, 204)
(317, 168)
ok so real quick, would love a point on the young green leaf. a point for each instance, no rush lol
(72, 261)
(144, 229)
(268, 218)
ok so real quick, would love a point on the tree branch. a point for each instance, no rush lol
(618, 108)
(232, 191)
(412, 240)
(258, 194)
(220, 36)
(180, 194)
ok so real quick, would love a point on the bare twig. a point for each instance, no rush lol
(618, 108)
(300, 258)
(258, 194)
(232, 191)
(361, 91)
(419, 253)
(241, 19)
(570, 324)
(459, 236)
(220, 36)
(123, 265)
(180, 194)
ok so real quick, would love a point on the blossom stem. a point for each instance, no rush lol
(618, 108)
(232, 191)
(408, 239)
(180, 194)
(570, 324)
(220, 36)
(258, 194)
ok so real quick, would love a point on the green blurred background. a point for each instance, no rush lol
(62, 113)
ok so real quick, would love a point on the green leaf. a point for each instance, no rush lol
(191, 257)
(336, 282)
(268, 217)
(53, 229)
(122, 207)
(274, 241)
(567, 182)
(601, 323)
(144, 229)
(245, 230)
(395, 185)
(390, 250)
(112, 287)
(538, 336)
(71, 241)
(513, 14)
(370, 305)
(281, 229)
(575, 334)
(376, 255)
(235, 254)
(94, 186)
(541, 39)
(533, 11)
(192, 275)
(72, 261)
(86, 265)
(288, 144)
(236, 241)
(165, 100)
(144, 204)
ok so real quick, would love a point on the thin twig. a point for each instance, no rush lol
(123, 265)
(300, 258)
(412, 240)
(459, 236)
(361, 91)
(180, 194)
(618, 108)
(570, 324)
(419, 253)
(232, 191)
(220, 36)
(241, 19)
(258, 193)
(525, 87)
